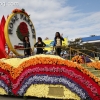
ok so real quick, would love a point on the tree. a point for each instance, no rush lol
(75, 44)
(46, 38)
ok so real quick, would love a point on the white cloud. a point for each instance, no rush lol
(49, 16)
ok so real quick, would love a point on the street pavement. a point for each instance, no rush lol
(23, 98)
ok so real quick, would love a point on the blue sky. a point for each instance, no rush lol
(85, 6)
(73, 18)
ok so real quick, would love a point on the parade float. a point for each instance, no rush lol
(43, 76)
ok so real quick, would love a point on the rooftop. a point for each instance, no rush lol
(91, 38)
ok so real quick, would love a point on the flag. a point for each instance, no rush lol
(3, 21)
(2, 49)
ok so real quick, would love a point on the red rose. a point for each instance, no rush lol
(23, 28)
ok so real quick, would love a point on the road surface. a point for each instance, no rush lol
(21, 98)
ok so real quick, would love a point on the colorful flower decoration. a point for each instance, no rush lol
(17, 76)
(36, 90)
(95, 64)
(20, 11)
(78, 59)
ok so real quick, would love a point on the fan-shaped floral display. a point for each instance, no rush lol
(18, 75)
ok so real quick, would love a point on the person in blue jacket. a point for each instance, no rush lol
(58, 43)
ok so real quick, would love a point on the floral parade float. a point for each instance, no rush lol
(78, 59)
(46, 76)
(81, 59)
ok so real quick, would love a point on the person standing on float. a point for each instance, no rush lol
(27, 46)
(58, 43)
(40, 44)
